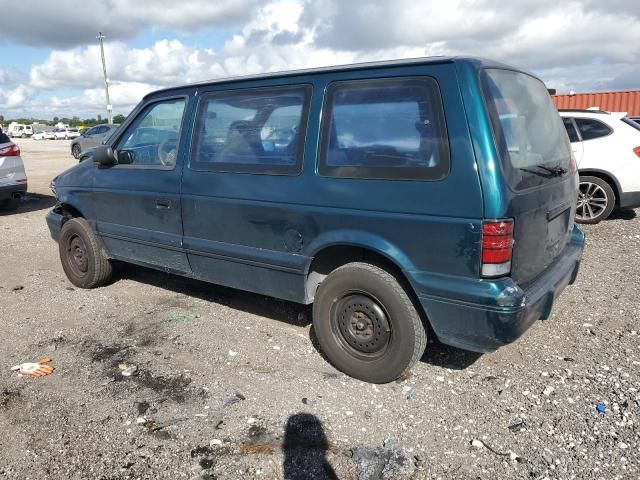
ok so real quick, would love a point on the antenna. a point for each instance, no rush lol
(100, 38)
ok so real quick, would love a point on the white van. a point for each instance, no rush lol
(20, 130)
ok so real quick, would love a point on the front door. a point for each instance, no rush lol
(137, 201)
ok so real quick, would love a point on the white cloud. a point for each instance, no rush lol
(578, 45)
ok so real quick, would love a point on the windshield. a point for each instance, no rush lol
(529, 133)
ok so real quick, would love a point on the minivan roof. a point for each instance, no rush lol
(479, 62)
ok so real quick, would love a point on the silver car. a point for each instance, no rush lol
(91, 138)
(13, 179)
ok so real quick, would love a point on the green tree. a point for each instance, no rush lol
(119, 119)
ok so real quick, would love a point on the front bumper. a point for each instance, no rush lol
(9, 191)
(495, 313)
(54, 222)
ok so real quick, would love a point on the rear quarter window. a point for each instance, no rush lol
(384, 129)
(590, 129)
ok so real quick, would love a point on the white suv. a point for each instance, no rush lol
(607, 150)
(66, 133)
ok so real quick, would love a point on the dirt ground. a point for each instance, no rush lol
(231, 385)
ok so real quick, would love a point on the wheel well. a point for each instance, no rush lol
(69, 212)
(327, 260)
(607, 178)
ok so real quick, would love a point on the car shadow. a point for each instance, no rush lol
(436, 354)
(31, 202)
(261, 305)
(623, 214)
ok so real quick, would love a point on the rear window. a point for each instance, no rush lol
(529, 133)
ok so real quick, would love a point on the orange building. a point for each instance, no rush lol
(623, 101)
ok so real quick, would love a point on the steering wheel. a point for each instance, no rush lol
(167, 153)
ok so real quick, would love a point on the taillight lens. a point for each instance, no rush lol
(497, 247)
(637, 151)
(10, 151)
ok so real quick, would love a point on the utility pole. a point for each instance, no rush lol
(101, 37)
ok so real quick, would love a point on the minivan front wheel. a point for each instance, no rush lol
(83, 260)
(595, 200)
(75, 151)
(366, 323)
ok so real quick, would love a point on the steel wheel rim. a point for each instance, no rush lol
(592, 201)
(77, 258)
(361, 325)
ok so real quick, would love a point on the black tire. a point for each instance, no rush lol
(596, 200)
(76, 151)
(83, 259)
(366, 323)
(10, 204)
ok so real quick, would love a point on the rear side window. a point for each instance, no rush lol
(529, 134)
(252, 131)
(591, 129)
(571, 130)
(384, 128)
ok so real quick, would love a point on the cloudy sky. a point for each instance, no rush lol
(50, 59)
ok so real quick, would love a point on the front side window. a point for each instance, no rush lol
(152, 139)
(384, 128)
(571, 130)
(252, 131)
(530, 136)
(591, 129)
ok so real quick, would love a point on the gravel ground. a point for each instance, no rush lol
(230, 384)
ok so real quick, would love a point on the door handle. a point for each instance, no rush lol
(163, 203)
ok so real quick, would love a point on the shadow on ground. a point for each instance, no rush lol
(32, 202)
(623, 214)
(305, 449)
(295, 314)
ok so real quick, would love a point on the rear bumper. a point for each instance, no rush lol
(490, 314)
(9, 191)
(54, 222)
(630, 200)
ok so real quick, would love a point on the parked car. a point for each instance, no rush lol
(93, 137)
(44, 135)
(13, 179)
(340, 187)
(607, 149)
(66, 133)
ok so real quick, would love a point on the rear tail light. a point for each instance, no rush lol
(497, 247)
(10, 151)
(637, 151)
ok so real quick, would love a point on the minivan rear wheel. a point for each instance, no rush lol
(366, 323)
(84, 261)
(595, 200)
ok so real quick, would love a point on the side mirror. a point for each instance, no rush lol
(104, 156)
